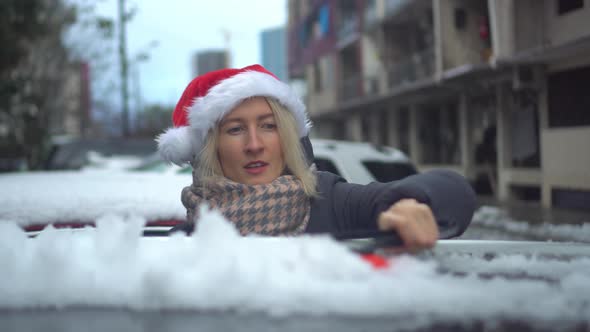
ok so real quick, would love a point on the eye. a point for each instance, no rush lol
(269, 126)
(234, 130)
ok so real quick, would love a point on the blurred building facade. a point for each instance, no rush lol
(494, 89)
(206, 61)
(273, 43)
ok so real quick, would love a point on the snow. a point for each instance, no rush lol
(72, 196)
(496, 218)
(216, 269)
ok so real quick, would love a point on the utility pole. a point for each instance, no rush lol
(124, 68)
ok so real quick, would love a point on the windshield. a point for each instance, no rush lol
(389, 171)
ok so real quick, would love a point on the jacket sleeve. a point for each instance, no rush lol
(448, 194)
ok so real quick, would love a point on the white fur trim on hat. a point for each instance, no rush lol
(176, 145)
(227, 94)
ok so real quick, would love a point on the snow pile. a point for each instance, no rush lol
(69, 196)
(496, 218)
(216, 269)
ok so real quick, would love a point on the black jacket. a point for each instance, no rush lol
(344, 207)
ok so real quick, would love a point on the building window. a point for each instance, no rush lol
(570, 198)
(569, 100)
(384, 171)
(566, 6)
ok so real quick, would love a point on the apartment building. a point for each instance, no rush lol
(494, 89)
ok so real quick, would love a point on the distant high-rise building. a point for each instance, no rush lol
(274, 51)
(206, 61)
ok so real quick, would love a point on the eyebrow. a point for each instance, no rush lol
(259, 118)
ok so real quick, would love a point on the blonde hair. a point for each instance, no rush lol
(207, 167)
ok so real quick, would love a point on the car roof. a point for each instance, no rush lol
(361, 150)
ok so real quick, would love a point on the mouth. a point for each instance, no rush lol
(256, 167)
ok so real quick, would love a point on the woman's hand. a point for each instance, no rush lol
(413, 222)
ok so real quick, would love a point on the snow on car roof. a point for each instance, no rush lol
(216, 269)
(74, 196)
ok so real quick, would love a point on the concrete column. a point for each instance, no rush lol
(392, 125)
(464, 138)
(415, 146)
(546, 200)
(354, 128)
(438, 38)
(502, 26)
(503, 141)
(374, 120)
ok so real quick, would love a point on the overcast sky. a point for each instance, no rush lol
(184, 27)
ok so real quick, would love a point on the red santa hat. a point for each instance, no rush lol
(209, 97)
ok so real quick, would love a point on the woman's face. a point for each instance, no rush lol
(249, 146)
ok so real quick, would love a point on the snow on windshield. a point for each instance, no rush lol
(216, 269)
(71, 196)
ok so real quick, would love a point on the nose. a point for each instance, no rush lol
(254, 144)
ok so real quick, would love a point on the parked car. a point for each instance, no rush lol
(357, 162)
(361, 162)
(112, 278)
(68, 153)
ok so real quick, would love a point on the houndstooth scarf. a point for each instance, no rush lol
(278, 208)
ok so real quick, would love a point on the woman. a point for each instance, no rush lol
(246, 135)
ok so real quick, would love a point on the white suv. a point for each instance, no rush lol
(361, 162)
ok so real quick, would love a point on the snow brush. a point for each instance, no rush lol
(367, 242)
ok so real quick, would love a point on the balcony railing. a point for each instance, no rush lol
(416, 67)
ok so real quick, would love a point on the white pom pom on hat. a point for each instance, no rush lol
(209, 97)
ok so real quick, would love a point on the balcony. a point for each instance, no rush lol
(416, 67)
